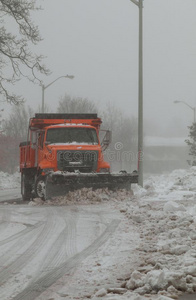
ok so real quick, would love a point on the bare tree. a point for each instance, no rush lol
(9, 153)
(14, 131)
(16, 58)
(76, 105)
(124, 137)
(47, 109)
(16, 125)
(124, 129)
(112, 117)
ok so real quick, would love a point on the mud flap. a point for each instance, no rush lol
(59, 184)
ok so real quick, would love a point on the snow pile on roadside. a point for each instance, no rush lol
(86, 196)
(9, 181)
(178, 185)
(167, 229)
(167, 250)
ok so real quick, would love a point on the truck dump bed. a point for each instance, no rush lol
(44, 120)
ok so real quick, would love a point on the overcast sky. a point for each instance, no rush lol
(97, 41)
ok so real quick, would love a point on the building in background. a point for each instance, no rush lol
(165, 154)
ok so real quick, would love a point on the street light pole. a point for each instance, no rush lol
(193, 108)
(1, 120)
(139, 3)
(44, 87)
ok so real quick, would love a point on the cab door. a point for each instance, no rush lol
(40, 146)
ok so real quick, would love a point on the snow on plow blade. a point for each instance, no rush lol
(59, 184)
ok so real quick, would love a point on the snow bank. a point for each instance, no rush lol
(167, 250)
(167, 230)
(86, 196)
(178, 185)
(8, 181)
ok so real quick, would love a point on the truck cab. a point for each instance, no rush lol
(69, 148)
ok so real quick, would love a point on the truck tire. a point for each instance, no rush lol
(40, 187)
(25, 188)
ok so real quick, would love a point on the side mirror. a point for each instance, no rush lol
(106, 139)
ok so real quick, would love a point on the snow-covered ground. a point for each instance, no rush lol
(178, 185)
(151, 250)
(9, 181)
(156, 241)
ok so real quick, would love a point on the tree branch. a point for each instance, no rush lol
(14, 49)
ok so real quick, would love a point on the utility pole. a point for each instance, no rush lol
(44, 87)
(1, 120)
(139, 3)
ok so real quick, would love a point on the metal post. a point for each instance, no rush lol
(139, 3)
(46, 86)
(194, 158)
(140, 105)
(43, 88)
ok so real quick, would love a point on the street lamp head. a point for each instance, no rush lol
(69, 76)
(177, 101)
(44, 87)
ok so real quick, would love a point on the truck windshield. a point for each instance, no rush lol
(71, 135)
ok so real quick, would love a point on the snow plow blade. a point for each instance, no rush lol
(59, 184)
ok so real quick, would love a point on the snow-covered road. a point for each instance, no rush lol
(10, 194)
(40, 246)
(102, 245)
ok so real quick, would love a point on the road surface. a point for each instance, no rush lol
(63, 252)
(10, 194)
(41, 245)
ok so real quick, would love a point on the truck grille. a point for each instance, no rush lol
(70, 160)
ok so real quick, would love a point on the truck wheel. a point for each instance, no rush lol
(40, 187)
(25, 188)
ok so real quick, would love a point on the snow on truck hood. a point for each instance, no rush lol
(69, 124)
(72, 143)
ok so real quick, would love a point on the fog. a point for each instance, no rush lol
(97, 42)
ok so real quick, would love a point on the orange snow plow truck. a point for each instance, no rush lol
(62, 153)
